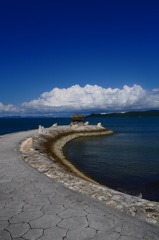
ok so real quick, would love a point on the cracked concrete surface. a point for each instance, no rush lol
(32, 206)
(44, 152)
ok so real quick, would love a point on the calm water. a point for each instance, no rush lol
(10, 125)
(127, 161)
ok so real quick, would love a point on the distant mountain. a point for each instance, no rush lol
(150, 113)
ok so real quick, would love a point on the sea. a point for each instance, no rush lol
(127, 161)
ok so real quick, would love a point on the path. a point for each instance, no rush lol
(33, 206)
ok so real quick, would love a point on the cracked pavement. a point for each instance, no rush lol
(32, 206)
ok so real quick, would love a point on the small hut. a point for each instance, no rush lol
(77, 119)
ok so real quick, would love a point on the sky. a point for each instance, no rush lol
(59, 57)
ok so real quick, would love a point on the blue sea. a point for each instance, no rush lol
(127, 161)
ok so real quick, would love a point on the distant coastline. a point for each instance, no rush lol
(150, 113)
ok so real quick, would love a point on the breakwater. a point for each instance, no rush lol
(44, 152)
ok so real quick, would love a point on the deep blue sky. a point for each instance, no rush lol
(47, 44)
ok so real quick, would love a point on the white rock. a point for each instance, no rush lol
(99, 125)
(42, 130)
(86, 123)
(74, 126)
(54, 125)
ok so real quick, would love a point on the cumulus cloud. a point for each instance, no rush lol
(7, 108)
(95, 98)
(91, 98)
(155, 91)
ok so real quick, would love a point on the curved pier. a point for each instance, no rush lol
(46, 155)
(32, 206)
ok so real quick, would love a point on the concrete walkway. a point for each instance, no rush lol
(33, 206)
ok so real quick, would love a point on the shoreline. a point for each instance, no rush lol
(45, 153)
(57, 149)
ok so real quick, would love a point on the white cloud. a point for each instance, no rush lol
(7, 108)
(156, 90)
(91, 98)
(76, 98)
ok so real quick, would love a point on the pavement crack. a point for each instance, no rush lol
(8, 232)
(65, 237)
(36, 218)
(87, 220)
(49, 200)
(119, 237)
(28, 230)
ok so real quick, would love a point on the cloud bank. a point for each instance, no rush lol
(8, 108)
(91, 98)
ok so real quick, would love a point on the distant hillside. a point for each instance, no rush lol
(150, 113)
